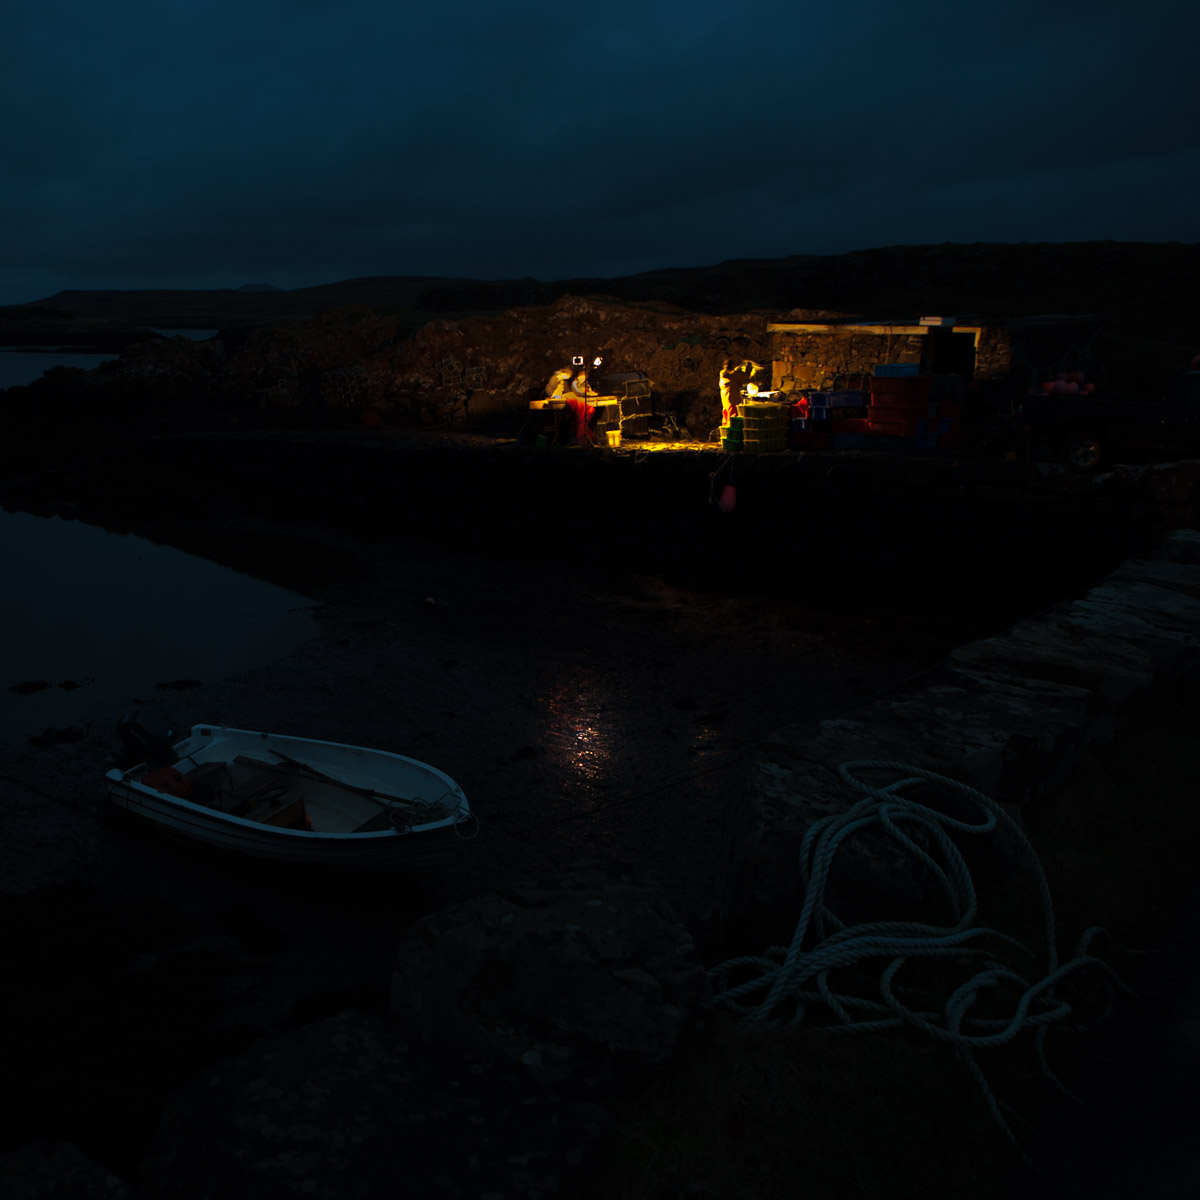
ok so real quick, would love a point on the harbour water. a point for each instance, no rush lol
(89, 617)
(21, 365)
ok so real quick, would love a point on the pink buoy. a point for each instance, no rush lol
(1060, 386)
(1048, 386)
(1196, 363)
(728, 500)
(1089, 388)
(1071, 387)
(1076, 377)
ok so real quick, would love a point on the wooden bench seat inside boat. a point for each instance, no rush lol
(286, 812)
(380, 821)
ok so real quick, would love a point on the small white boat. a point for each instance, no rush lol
(294, 800)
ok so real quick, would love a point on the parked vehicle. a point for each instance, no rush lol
(1086, 431)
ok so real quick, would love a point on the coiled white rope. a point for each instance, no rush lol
(795, 978)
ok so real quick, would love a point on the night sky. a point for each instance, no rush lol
(214, 143)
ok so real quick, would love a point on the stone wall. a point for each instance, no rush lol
(1010, 716)
(836, 358)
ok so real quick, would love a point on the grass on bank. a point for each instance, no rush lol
(786, 1113)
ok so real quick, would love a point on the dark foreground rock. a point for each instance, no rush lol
(515, 1023)
(354, 1106)
(580, 981)
(47, 1170)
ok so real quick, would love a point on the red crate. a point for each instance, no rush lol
(916, 385)
(849, 425)
(902, 428)
(917, 404)
(900, 412)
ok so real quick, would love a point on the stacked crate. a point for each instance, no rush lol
(808, 422)
(764, 426)
(849, 421)
(899, 404)
(923, 410)
(731, 436)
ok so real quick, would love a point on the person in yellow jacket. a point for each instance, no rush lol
(556, 385)
(731, 380)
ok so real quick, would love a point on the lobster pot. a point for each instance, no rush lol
(764, 425)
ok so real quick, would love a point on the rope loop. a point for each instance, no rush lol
(996, 1001)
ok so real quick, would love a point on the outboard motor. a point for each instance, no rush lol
(144, 745)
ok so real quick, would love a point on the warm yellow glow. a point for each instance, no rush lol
(752, 389)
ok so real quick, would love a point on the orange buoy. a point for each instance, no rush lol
(728, 500)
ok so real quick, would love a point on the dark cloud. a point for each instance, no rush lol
(302, 142)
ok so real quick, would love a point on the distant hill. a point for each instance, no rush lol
(220, 308)
(1141, 281)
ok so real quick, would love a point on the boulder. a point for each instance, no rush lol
(1182, 546)
(760, 890)
(582, 982)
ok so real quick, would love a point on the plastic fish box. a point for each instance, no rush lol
(913, 385)
(845, 427)
(848, 399)
(906, 428)
(898, 412)
(925, 441)
(850, 441)
(896, 370)
(818, 399)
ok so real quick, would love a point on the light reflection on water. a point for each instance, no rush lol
(579, 733)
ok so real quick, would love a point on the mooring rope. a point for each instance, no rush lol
(787, 985)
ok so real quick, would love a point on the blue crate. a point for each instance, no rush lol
(897, 370)
(799, 424)
(818, 399)
(849, 399)
(849, 441)
(925, 441)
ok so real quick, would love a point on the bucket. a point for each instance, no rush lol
(614, 437)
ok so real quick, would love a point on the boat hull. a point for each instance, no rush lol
(411, 844)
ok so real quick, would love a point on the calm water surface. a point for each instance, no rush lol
(21, 365)
(111, 616)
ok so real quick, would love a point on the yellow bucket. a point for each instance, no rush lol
(614, 437)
